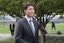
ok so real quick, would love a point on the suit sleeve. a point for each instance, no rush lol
(19, 34)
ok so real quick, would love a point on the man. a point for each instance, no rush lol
(27, 28)
(53, 26)
(12, 26)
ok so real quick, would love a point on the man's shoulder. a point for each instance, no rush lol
(21, 20)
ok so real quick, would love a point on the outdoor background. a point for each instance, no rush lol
(4, 29)
(46, 11)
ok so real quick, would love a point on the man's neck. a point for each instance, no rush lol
(28, 17)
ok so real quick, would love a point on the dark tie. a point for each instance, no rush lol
(32, 27)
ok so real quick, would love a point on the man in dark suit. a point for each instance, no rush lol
(12, 26)
(27, 28)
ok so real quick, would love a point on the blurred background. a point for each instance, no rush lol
(49, 13)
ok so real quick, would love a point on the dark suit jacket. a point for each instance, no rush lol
(11, 26)
(24, 33)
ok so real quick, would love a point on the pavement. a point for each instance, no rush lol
(5, 35)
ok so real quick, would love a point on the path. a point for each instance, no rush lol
(5, 35)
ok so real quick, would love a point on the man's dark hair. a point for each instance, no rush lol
(27, 4)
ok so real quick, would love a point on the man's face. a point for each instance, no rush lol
(29, 11)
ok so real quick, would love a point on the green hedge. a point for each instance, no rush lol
(49, 39)
(55, 39)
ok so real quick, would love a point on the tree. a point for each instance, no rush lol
(48, 8)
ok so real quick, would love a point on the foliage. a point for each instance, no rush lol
(42, 7)
(54, 39)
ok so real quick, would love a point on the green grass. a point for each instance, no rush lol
(59, 26)
(7, 40)
(4, 29)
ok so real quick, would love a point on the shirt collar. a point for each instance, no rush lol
(28, 19)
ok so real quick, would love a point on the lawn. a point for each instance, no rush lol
(59, 26)
(8, 40)
(4, 29)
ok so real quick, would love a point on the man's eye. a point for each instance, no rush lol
(31, 9)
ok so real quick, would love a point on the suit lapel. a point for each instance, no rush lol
(28, 27)
(35, 26)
